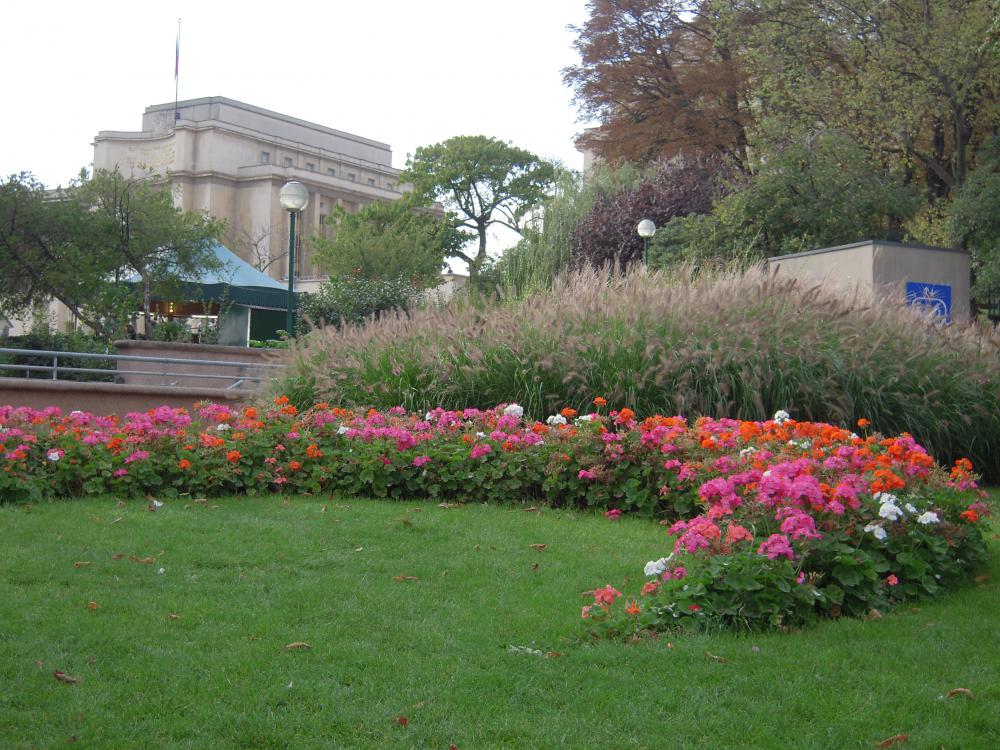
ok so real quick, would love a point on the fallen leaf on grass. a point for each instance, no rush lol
(896, 739)
(297, 645)
(117, 520)
(201, 500)
(553, 654)
(448, 506)
(720, 659)
(981, 578)
(119, 556)
(40, 663)
(960, 691)
(172, 616)
(253, 637)
(532, 509)
(539, 547)
(534, 566)
(874, 614)
(142, 560)
(323, 509)
(93, 605)
(755, 649)
(63, 677)
(406, 521)
(416, 510)
(452, 747)
(400, 579)
(71, 739)
(81, 563)
(402, 721)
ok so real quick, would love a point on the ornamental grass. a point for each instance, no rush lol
(733, 344)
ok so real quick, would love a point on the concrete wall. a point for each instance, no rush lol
(108, 398)
(231, 373)
(873, 270)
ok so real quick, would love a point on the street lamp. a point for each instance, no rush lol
(293, 198)
(646, 229)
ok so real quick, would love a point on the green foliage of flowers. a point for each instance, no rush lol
(741, 345)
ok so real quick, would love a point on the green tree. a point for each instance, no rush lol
(974, 220)
(104, 247)
(482, 182)
(388, 241)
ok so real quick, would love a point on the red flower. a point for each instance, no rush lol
(600, 401)
(633, 608)
(891, 580)
(969, 515)
(694, 608)
(234, 456)
(183, 464)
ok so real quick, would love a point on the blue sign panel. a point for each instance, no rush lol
(935, 296)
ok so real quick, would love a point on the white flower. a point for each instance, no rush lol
(223, 427)
(157, 504)
(76, 413)
(910, 508)
(890, 511)
(342, 429)
(480, 434)
(928, 518)
(514, 410)
(427, 417)
(876, 531)
(556, 419)
(54, 455)
(781, 416)
(747, 452)
(656, 567)
(585, 418)
(161, 571)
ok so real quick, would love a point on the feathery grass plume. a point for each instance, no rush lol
(738, 343)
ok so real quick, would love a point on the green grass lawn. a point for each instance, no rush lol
(190, 650)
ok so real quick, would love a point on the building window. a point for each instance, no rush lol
(389, 186)
(288, 162)
(310, 166)
(332, 172)
(350, 176)
(265, 157)
(371, 181)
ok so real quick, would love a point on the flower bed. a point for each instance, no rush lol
(770, 523)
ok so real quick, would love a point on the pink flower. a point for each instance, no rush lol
(421, 461)
(777, 545)
(891, 580)
(586, 474)
(121, 472)
(481, 450)
(679, 573)
(606, 595)
(800, 577)
(614, 514)
(137, 456)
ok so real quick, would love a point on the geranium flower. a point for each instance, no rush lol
(876, 530)
(891, 580)
(55, 454)
(234, 456)
(614, 514)
(928, 518)
(512, 410)
(656, 567)
(777, 545)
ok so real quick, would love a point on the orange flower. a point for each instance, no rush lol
(969, 515)
(289, 410)
(600, 401)
(183, 464)
(313, 451)
(280, 400)
(294, 465)
(323, 405)
(633, 608)
(234, 456)
(568, 413)
(250, 413)
(862, 423)
(625, 415)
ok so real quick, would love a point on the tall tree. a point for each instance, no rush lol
(103, 247)
(388, 241)
(482, 182)
(912, 80)
(661, 80)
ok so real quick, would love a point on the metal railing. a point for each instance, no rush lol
(162, 367)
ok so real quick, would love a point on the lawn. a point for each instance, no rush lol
(429, 627)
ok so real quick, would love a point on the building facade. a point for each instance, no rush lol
(231, 159)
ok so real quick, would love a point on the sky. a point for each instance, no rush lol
(402, 72)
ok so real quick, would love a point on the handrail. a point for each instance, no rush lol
(137, 358)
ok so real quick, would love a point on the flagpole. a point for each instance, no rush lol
(177, 69)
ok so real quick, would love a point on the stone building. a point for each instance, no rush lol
(231, 159)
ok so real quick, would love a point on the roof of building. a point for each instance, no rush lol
(236, 272)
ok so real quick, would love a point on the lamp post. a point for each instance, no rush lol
(293, 198)
(646, 229)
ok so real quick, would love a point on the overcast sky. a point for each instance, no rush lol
(402, 72)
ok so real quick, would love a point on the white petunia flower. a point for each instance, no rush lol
(585, 418)
(656, 567)
(556, 419)
(890, 511)
(747, 452)
(876, 531)
(342, 429)
(885, 497)
(223, 427)
(54, 455)
(910, 508)
(514, 410)
(781, 416)
(928, 518)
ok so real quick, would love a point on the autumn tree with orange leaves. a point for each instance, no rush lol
(661, 79)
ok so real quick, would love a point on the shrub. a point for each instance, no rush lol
(739, 345)
(352, 299)
(75, 341)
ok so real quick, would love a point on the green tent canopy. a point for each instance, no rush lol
(238, 282)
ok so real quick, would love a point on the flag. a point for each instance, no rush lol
(177, 52)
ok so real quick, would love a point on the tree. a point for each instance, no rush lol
(103, 247)
(661, 80)
(974, 220)
(911, 80)
(482, 182)
(388, 241)
(673, 187)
